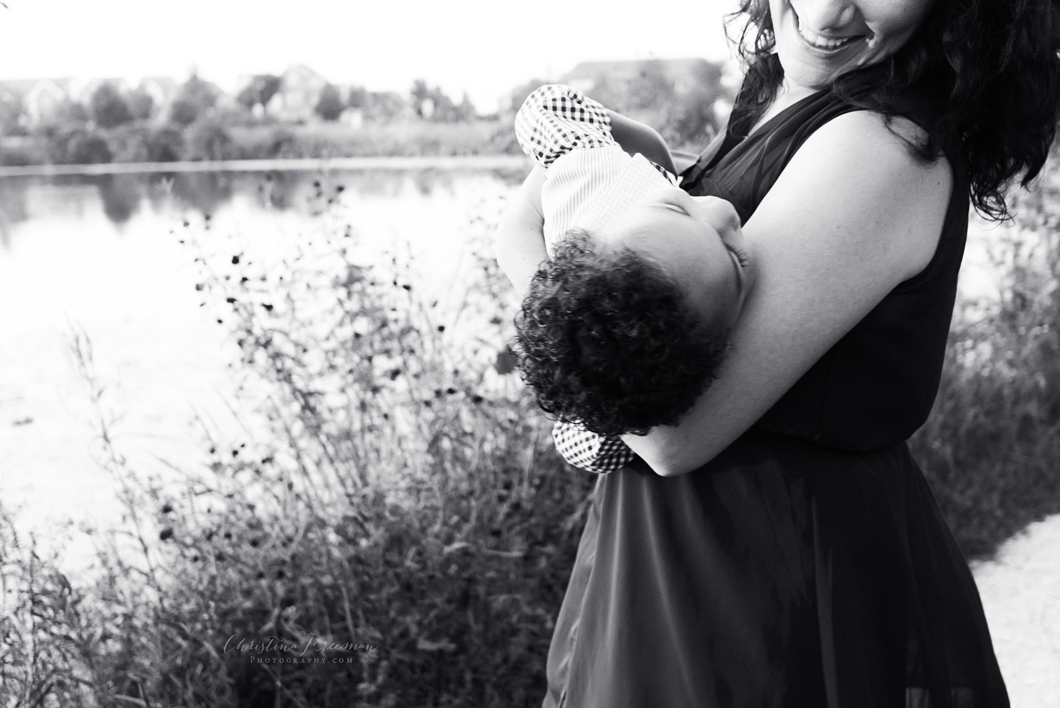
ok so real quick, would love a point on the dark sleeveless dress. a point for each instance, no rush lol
(807, 565)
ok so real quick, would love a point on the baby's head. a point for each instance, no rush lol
(624, 328)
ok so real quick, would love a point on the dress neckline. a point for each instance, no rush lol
(765, 126)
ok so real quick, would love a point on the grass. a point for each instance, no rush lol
(395, 511)
(393, 138)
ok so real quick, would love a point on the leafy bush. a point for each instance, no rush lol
(78, 146)
(330, 106)
(207, 139)
(193, 101)
(20, 150)
(140, 141)
(109, 108)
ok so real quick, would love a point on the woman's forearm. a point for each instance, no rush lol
(519, 241)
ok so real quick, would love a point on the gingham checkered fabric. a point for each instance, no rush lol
(589, 451)
(590, 177)
(556, 119)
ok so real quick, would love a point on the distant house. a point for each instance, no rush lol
(299, 93)
(41, 99)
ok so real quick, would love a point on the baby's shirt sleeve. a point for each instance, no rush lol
(556, 119)
(589, 451)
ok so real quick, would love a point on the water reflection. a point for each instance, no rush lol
(121, 196)
(204, 192)
(12, 210)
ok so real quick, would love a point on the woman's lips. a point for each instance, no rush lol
(820, 42)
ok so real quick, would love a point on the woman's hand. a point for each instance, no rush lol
(519, 241)
(853, 215)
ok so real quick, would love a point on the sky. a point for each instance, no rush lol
(482, 47)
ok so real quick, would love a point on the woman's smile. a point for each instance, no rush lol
(819, 40)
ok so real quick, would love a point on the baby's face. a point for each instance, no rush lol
(698, 241)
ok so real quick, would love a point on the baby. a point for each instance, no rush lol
(623, 328)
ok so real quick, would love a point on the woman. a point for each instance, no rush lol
(779, 547)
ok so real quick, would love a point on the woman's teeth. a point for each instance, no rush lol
(821, 42)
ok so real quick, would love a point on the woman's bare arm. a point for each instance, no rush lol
(853, 215)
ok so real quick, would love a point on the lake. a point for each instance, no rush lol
(114, 255)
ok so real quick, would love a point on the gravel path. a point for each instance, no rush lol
(1021, 596)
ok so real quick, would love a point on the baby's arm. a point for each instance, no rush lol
(636, 137)
(518, 242)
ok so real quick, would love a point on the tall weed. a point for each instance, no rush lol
(394, 529)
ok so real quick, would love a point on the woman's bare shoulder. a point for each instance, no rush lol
(861, 173)
(854, 213)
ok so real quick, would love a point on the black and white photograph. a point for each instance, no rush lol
(559, 354)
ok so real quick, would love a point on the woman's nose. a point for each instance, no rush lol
(825, 15)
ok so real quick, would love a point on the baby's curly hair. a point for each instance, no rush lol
(606, 338)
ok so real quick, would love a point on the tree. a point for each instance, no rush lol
(79, 147)
(357, 97)
(193, 100)
(108, 107)
(330, 105)
(651, 88)
(466, 109)
(431, 103)
(384, 105)
(260, 90)
(693, 118)
(11, 115)
(165, 145)
(68, 115)
(421, 99)
(141, 105)
(208, 140)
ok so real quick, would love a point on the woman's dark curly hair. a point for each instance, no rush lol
(981, 77)
(606, 338)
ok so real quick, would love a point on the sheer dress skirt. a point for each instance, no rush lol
(781, 574)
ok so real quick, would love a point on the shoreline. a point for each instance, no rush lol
(397, 163)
